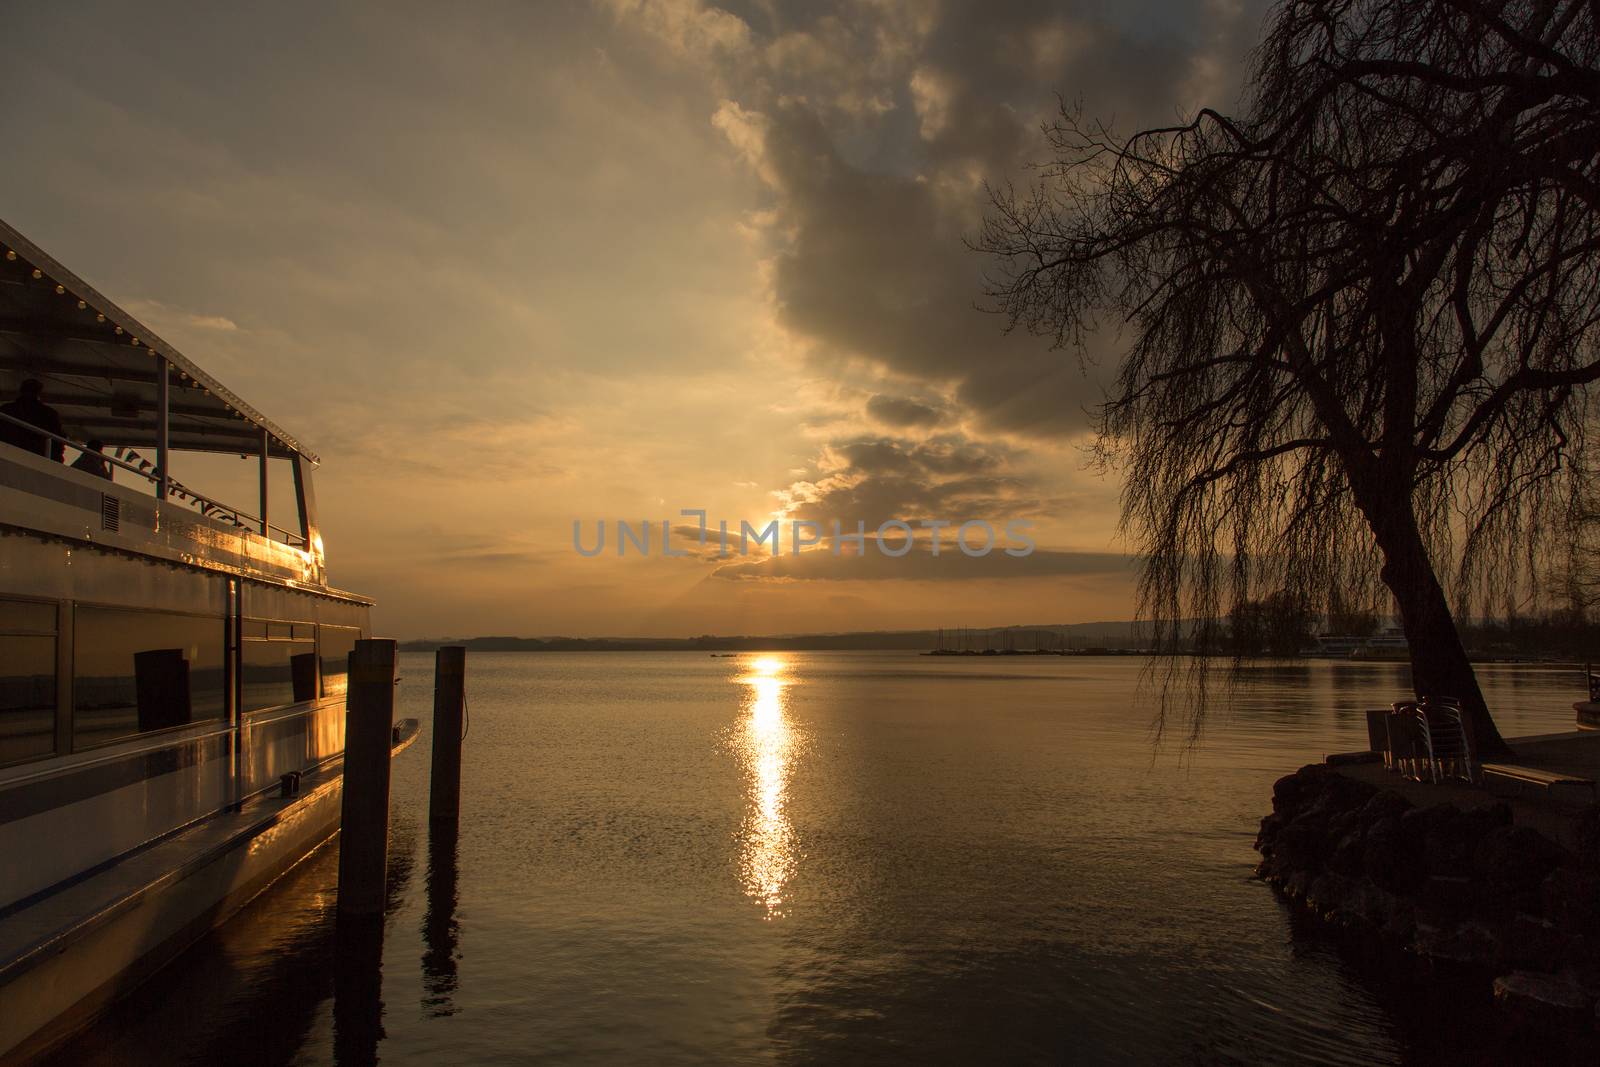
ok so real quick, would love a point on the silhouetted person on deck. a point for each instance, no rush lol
(30, 408)
(92, 462)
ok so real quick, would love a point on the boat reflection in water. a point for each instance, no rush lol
(768, 745)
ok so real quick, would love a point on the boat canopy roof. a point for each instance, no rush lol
(100, 365)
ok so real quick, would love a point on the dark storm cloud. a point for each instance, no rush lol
(943, 454)
(922, 565)
(902, 412)
(881, 124)
(948, 476)
(876, 267)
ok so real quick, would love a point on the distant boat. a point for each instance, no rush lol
(1388, 644)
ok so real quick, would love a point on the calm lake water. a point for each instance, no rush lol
(822, 858)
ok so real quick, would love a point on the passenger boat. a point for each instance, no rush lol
(172, 667)
(1389, 644)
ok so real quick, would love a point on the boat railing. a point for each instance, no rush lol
(213, 509)
(122, 749)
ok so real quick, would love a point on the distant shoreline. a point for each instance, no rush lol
(1119, 634)
(913, 642)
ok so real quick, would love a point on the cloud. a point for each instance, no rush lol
(873, 479)
(902, 412)
(746, 131)
(875, 268)
(166, 319)
(693, 29)
(874, 133)
(920, 564)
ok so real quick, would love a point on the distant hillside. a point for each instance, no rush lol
(1053, 635)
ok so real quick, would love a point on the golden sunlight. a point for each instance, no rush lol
(768, 746)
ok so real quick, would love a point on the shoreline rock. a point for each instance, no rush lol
(1468, 892)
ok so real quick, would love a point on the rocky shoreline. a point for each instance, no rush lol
(1464, 893)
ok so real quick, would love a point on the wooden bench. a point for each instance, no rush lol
(1507, 779)
(1345, 759)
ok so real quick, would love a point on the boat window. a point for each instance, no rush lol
(337, 644)
(27, 617)
(27, 680)
(135, 671)
(278, 669)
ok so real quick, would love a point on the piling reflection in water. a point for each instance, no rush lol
(440, 931)
(358, 990)
(768, 745)
(358, 960)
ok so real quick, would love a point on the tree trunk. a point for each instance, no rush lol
(1439, 664)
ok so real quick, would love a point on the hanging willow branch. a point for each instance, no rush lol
(1362, 316)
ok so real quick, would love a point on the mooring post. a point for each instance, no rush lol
(449, 702)
(364, 829)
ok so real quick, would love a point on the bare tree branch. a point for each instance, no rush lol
(1364, 314)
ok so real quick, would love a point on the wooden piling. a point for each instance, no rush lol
(449, 702)
(364, 829)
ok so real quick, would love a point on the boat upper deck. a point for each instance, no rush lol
(107, 379)
(104, 364)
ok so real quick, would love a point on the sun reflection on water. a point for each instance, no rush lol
(768, 746)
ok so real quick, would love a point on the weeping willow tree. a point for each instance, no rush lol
(1359, 318)
(1576, 577)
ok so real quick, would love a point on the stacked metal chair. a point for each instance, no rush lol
(1408, 744)
(1449, 751)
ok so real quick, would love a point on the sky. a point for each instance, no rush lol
(509, 267)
